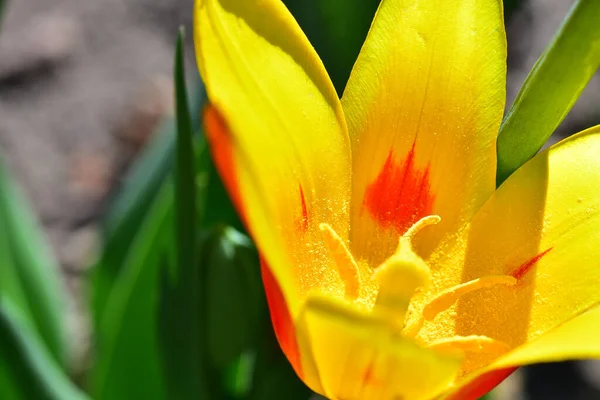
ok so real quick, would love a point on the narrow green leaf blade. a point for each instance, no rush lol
(27, 369)
(185, 171)
(180, 304)
(552, 87)
(127, 213)
(129, 208)
(29, 272)
(128, 364)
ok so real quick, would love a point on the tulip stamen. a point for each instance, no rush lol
(473, 343)
(448, 297)
(419, 225)
(412, 327)
(347, 266)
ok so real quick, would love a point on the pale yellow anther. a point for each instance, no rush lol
(413, 326)
(472, 343)
(347, 267)
(420, 224)
(448, 297)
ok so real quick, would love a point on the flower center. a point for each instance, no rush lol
(400, 276)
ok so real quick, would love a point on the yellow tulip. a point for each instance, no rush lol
(393, 267)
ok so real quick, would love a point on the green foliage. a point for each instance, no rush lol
(551, 89)
(27, 369)
(132, 204)
(180, 304)
(128, 360)
(29, 273)
(234, 298)
(337, 30)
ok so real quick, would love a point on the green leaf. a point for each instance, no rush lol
(28, 271)
(180, 305)
(27, 369)
(125, 217)
(551, 89)
(234, 297)
(337, 30)
(128, 364)
(130, 207)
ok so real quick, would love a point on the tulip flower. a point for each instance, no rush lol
(393, 267)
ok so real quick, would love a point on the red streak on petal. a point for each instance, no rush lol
(369, 378)
(481, 385)
(219, 138)
(281, 318)
(401, 194)
(303, 223)
(522, 270)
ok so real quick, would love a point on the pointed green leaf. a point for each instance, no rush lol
(180, 305)
(28, 270)
(130, 207)
(552, 87)
(27, 369)
(185, 173)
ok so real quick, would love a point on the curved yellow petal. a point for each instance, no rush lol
(423, 105)
(278, 136)
(356, 356)
(541, 227)
(575, 339)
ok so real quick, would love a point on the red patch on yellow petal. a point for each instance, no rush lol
(524, 268)
(281, 318)
(303, 222)
(481, 385)
(401, 193)
(219, 138)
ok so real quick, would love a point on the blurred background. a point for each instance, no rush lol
(84, 84)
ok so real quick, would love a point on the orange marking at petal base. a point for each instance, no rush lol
(524, 268)
(219, 138)
(401, 194)
(303, 223)
(281, 318)
(482, 385)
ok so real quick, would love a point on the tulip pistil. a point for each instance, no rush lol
(347, 267)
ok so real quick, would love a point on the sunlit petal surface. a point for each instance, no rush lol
(423, 106)
(541, 227)
(287, 171)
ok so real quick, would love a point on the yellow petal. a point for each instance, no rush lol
(542, 227)
(575, 339)
(423, 105)
(360, 357)
(278, 136)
